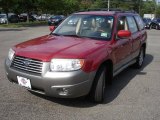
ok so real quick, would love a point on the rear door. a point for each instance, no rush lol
(141, 29)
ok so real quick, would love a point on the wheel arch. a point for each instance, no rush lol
(109, 65)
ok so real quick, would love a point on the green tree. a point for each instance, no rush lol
(85, 4)
(70, 6)
(116, 4)
(26, 6)
(148, 7)
(6, 6)
(99, 4)
(158, 11)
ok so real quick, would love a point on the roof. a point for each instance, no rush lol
(105, 12)
(96, 13)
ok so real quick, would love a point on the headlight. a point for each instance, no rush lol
(3, 19)
(66, 64)
(11, 54)
(56, 20)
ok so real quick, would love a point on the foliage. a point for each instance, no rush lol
(148, 7)
(85, 4)
(158, 11)
(69, 6)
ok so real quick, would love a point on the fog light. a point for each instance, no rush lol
(63, 91)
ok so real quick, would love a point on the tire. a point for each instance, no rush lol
(140, 58)
(150, 27)
(157, 27)
(98, 89)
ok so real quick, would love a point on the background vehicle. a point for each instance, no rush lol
(55, 20)
(23, 17)
(12, 18)
(3, 19)
(43, 17)
(155, 24)
(147, 22)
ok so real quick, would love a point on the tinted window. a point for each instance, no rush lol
(132, 24)
(56, 17)
(140, 22)
(158, 20)
(145, 20)
(2, 16)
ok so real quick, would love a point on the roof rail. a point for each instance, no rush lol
(104, 9)
(126, 11)
(116, 10)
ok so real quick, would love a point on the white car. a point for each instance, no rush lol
(3, 18)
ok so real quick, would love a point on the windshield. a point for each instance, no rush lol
(2, 16)
(56, 17)
(91, 26)
(146, 20)
(158, 20)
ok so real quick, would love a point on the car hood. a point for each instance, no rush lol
(47, 47)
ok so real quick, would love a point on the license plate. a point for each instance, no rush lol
(24, 82)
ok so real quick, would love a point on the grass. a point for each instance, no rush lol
(24, 24)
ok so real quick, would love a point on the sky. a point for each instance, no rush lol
(151, 0)
(158, 1)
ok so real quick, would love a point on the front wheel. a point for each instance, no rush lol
(98, 89)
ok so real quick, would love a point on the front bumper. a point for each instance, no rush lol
(53, 23)
(147, 26)
(55, 84)
(3, 21)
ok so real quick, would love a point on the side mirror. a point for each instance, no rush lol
(124, 34)
(52, 28)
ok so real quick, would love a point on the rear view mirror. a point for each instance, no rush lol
(124, 34)
(52, 28)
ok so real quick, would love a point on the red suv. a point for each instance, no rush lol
(80, 56)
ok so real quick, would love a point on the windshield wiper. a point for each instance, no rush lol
(55, 34)
(72, 35)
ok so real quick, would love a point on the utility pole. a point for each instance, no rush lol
(108, 5)
(139, 7)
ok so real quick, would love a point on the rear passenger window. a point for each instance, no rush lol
(132, 24)
(139, 22)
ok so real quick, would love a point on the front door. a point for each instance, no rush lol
(122, 47)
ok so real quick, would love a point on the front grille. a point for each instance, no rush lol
(27, 65)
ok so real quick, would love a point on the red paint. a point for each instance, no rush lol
(48, 47)
(94, 52)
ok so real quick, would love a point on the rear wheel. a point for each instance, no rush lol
(157, 27)
(140, 58)
(150, 27)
